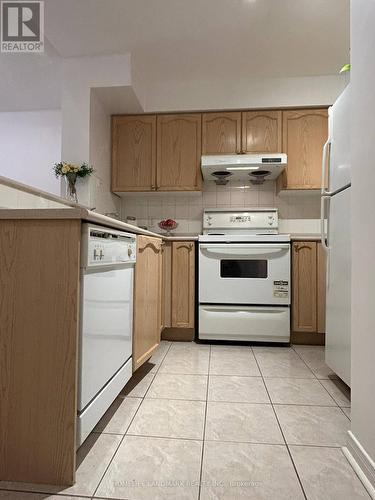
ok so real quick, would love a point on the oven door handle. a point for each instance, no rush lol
(244, 250)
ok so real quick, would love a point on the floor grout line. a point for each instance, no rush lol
(204, 425)
(282, 433)
(206, 401)
(347, 416)
(127, 428)
(320, 381)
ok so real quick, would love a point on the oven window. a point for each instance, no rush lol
(243, 268)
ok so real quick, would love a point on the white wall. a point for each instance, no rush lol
(30, 143)
(231, 93)
(363, 234)
(100, 157)
(80, 75)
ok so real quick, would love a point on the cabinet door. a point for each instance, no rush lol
(183, 284)
(221, 133)
(147, 299)
(179, 152)
(261, 131)
(134, 153)
(304, 303)
(304, 134)
(321, 289)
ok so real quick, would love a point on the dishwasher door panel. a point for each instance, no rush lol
(106, 328)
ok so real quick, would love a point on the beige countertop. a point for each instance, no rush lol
(90, 216)
(87, 216)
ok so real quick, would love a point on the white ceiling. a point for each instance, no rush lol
(182, 41)
(187, 39)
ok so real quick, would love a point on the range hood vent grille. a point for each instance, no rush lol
(254, 167)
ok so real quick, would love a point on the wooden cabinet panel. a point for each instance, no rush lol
(179, 152)
(167, 280)
(321, 289)
(183, 284)
(221, 133)
(133, 153)
(304, 287)
(147, 299)
(304, 135)
(38, 356)
(261, 131)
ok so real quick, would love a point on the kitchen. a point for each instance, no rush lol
(177, 322)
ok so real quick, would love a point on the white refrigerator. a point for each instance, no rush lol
(335, 229)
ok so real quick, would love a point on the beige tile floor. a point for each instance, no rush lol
(218, 423)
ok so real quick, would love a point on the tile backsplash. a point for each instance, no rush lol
(187, 207)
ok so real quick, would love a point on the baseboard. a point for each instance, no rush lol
(178, 334)
(307, 338)
(361, 462)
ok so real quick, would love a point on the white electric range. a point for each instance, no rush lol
(244, 277)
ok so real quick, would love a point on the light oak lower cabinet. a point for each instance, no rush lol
(147, 299)
(179, 290)
(39, 317)
(308, 303)
(183, 284)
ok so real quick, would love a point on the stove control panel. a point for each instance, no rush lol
(244, 221)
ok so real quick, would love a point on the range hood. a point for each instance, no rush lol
(254, 168)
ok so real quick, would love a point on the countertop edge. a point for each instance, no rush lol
(95, 218)
(86, 216)
(305, 237)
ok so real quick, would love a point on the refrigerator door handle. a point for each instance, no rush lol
(323, 239)
(325, 162)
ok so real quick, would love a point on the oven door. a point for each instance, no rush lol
(244, 273)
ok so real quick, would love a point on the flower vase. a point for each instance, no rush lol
(71, 191)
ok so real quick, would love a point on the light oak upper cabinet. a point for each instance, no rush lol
(183, 287)
(179, 152)
(221, 133)
(133, 153)
(261, 131)
(304, 306)
(147, 299)
(304, 133)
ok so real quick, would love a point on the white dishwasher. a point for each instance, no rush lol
(105, 352)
